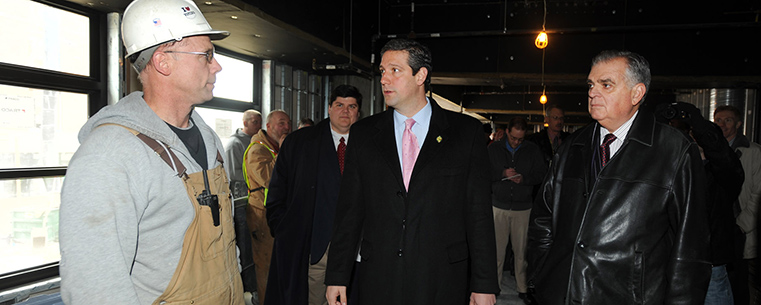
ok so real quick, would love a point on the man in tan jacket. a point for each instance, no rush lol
(259, 160)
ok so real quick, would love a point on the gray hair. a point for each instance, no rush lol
(637, 67)
(249, 114)
(269, 116)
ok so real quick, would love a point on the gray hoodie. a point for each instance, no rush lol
(124, 212)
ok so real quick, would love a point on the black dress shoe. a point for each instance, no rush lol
(527, 298)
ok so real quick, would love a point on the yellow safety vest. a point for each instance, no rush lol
(245, 172)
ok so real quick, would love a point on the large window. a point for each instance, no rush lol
(29, 222)
(38, 128)
(50, 82)
(41, 36)
(236, 80)
(237, 89)
(224, 122)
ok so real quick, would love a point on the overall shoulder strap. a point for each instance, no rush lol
(219, 158)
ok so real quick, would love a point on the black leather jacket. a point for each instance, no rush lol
(635, 234)
(543, 141)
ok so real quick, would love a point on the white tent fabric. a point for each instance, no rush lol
(451, 106)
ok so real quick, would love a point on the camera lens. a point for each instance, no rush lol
(684, 114)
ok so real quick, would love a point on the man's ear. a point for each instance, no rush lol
(160, 62)
(638, 92)
(421, 75)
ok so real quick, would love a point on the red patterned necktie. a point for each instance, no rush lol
(341, 153)
(605, 148)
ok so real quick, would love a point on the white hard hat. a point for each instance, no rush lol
(149, 23)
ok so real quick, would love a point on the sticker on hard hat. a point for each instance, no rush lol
(189, 13)
(157, 22)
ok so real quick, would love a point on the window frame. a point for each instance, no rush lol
(93, 86)
(236, 105)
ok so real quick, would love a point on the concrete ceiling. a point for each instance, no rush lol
(484, 56)
(255, 33)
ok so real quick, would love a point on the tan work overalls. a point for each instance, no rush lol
(207, 272)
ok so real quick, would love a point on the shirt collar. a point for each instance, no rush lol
(511, 149)
(337, 137)
(621, 132)
(422, 117)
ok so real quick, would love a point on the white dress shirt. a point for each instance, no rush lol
(620, 134)
(420, 129)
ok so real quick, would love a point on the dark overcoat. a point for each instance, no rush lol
(302, 195)
(433, 244)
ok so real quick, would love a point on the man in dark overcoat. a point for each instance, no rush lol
(301, 202)
(427, 233)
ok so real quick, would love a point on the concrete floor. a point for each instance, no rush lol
(508, 296)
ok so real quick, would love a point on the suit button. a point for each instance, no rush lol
(400, 253)
(399, 194)
(581, 245)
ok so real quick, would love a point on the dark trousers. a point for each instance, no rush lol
(738, 278)
(243, 240)
(353, 289)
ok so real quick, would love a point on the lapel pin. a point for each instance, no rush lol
(438, 139)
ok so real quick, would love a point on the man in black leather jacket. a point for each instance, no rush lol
(623, 222)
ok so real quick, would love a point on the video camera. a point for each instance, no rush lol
(683, 116)
(678, 110)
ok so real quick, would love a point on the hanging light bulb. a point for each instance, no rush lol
(541, 40)
(543, 98)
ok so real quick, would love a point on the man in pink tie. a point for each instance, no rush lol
(415, 192)
(301, 202)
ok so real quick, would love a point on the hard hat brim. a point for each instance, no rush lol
(213, 35)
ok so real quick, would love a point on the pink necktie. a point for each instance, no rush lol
(410, 150)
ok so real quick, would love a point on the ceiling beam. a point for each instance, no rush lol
(522, 112)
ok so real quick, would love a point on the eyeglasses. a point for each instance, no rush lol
(209, 54)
